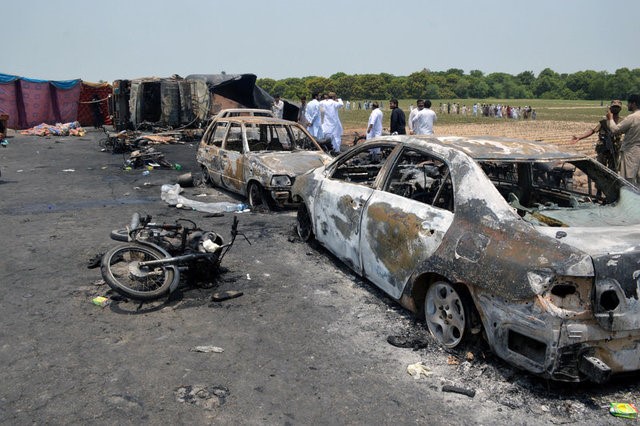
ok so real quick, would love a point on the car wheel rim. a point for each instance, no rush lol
(445, 314)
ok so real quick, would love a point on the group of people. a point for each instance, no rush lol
(320, 117)
(421, 119)
(620, 155)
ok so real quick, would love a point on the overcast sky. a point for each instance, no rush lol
(118, 39)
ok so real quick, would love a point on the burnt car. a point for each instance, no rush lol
(536, 248)
(258, 157)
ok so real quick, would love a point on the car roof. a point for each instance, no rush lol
(257, 119)
(225, 112)
(497, 148)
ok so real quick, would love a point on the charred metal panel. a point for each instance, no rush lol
(396, 232)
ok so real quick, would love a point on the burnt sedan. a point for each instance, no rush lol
(258, 157)
(536, 247)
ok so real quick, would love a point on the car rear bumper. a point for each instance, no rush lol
(564, 349)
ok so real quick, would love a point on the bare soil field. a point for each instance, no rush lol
(555, 132)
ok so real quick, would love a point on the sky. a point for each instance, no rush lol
(118, 39)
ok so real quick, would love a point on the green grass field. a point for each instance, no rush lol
(546, 109)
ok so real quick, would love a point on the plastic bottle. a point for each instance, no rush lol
(230, 207)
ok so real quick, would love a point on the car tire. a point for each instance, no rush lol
(304, 226)
(257, 197)
(206, 177)
(447, 311)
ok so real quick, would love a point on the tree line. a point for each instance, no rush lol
(455, 84)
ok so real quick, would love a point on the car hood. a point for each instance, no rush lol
(290, 163)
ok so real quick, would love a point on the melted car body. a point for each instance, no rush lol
(258, 156)
(537, 246)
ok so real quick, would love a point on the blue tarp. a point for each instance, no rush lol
(60, 84)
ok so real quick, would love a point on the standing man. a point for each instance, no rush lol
(630, 147)
(608, 146)
(374, 126)
(312, 114)
(302, 118)
(398, 121)
(331, 125)
(277, 107)
(422, 121)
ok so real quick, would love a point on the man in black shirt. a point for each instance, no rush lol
(398, 121)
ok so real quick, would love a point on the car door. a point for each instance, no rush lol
(231, 159)
(209, 150)
(405, 222)
(339, 204)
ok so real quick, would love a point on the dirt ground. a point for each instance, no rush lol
(306, 343)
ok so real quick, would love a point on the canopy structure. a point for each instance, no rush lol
(29, 102)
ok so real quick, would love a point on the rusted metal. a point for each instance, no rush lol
(231, 163)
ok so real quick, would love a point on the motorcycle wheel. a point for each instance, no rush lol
(122, 272)
(120, 235)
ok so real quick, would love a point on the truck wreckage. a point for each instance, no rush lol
(537, 248)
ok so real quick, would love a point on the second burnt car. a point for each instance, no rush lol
(258, 157)
(537, 248)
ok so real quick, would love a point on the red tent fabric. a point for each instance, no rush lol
(29, 102)
(85, 107)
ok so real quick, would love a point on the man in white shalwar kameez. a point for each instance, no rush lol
(312, 113)
(331, 126)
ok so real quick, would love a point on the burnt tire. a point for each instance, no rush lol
(257, 197)
(447, 311)
(120, 235)
(304, 226)
(121, 270)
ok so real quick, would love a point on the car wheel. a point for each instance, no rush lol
(304, 228)
(257, 197)
(447, 313)
(206, 177)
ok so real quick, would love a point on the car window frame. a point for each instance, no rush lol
(384, 186)
(383, 170)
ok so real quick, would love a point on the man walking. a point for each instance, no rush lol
(331, 125)
(422, 121)
(312, 114)
(630, 147)
(398, 121)
(374, 126)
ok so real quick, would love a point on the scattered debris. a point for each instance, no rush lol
(170, 195)
(100, 301)
(67, 129)
(95, 261)
(469, 356)
(418, 370)
(456, 389)
(624, 410)
(407, 342)
(203, 396)
(452, 360)
(226, 295)
(69, 170)
(207, 349)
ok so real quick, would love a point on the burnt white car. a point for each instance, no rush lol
(258, 157)
(537, 247)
